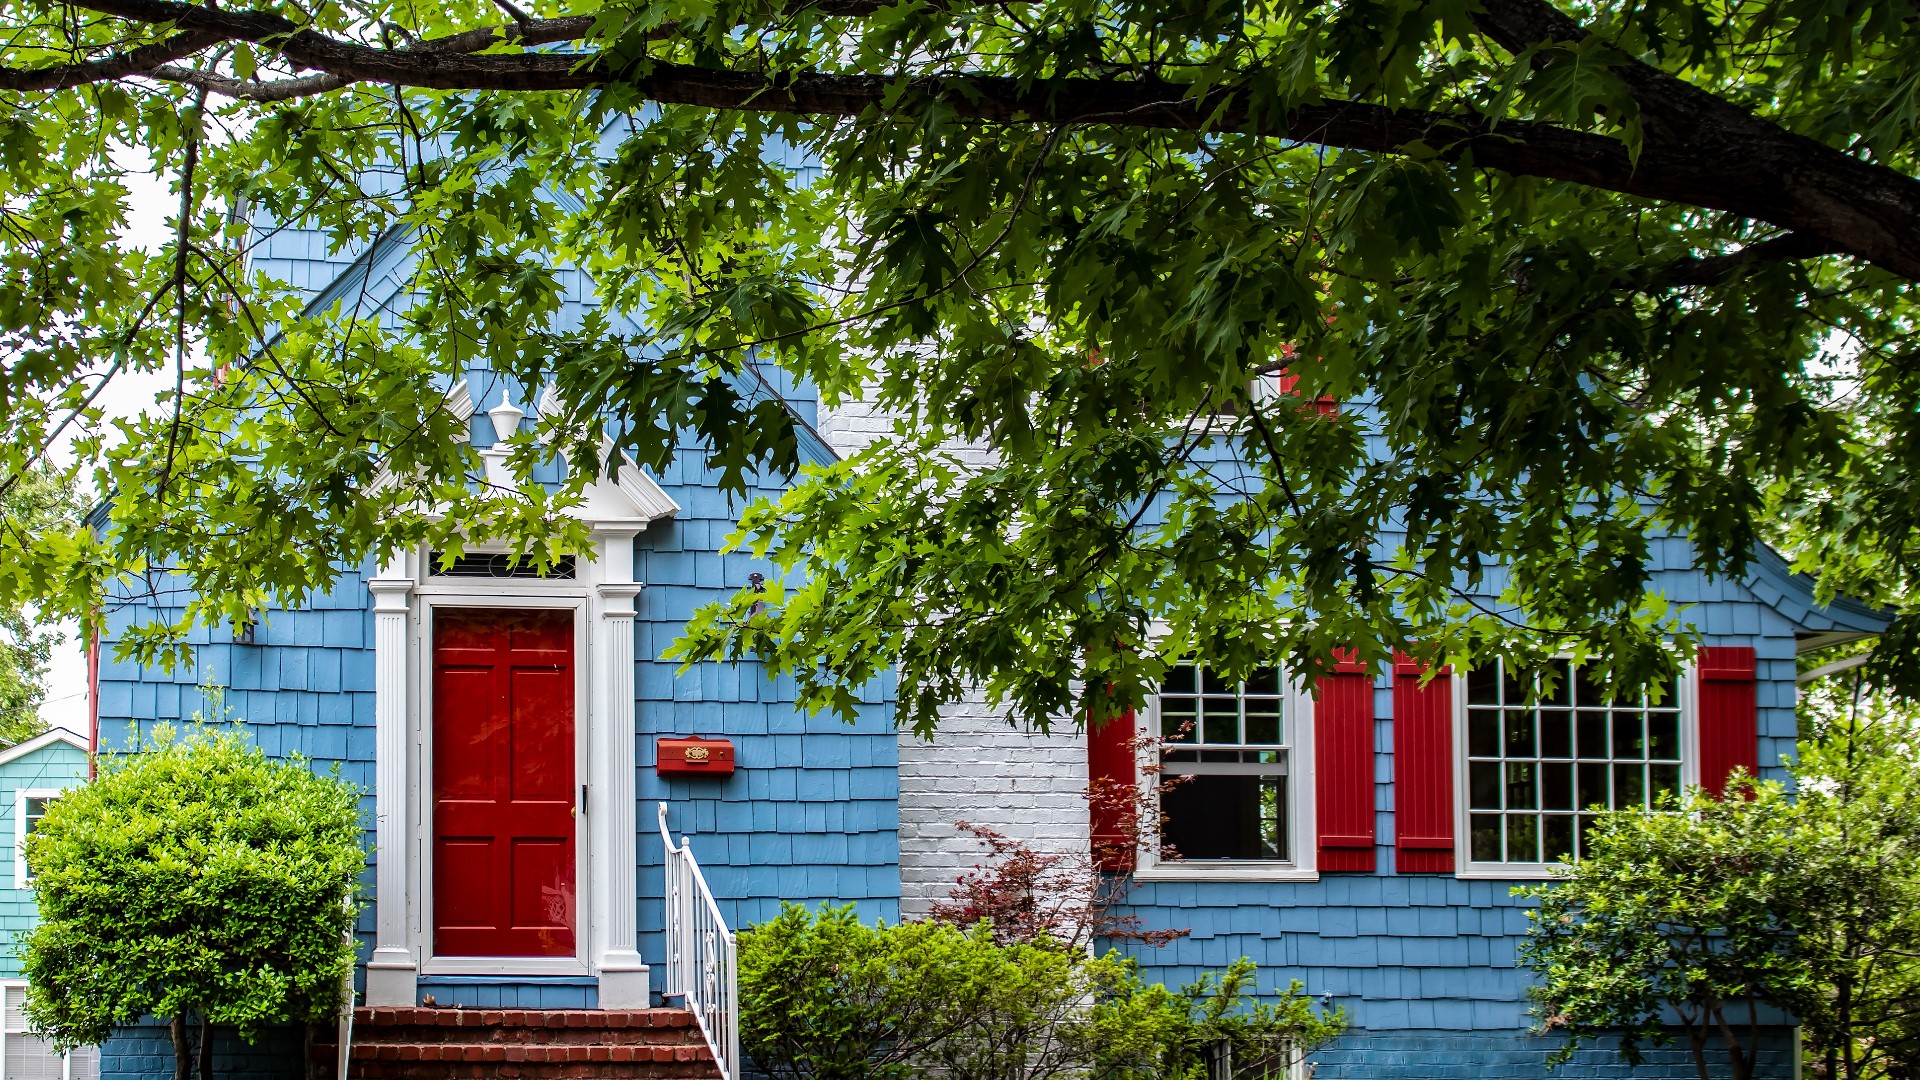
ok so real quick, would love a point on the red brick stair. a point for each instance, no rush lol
(537, 1044)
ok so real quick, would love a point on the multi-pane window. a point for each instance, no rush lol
(1223, 791)
(24, 1056)
(29, 810)
(1541, 758)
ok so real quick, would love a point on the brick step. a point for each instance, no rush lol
(533, 1044)
(545, 1027)
(615, 1019)
(488, 1070)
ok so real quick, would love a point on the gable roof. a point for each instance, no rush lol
(375, 275)
(41, 742)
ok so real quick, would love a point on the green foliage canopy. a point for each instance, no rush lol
(42, 508)
(197, 877)
(1601, 271)
(1806, 903)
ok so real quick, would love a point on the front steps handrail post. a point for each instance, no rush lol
(702, 965)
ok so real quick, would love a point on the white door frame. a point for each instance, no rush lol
(508, 595)
(602, 594)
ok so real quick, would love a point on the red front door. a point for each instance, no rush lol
(503, 783)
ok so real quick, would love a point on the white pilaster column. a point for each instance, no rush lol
(610, 811)
(392, 973)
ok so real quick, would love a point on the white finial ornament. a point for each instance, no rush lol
(506, 419)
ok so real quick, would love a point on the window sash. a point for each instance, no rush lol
(1522, 784)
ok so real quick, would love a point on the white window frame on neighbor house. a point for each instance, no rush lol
(1296, 719)
(21, 878)
(1685, 697)
(13, 1026)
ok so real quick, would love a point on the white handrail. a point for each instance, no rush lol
(702, 966)
(343, 1036)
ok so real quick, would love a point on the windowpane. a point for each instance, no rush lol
(1556, 733)
(1485, 781)
(1557, 837)
(1220, 720)
(1523, 838)
(1521, 794)
(1483, 686)
(1629, 787)
(1627, 736)
(1483, 733)
(1263, 720)
(1177, 719)
(1593, 734)
(1530, 767)
(1264, 680)
(1519, 727)
(1226, 817)
(1556, 785)
(1486, 837)
(1593, 785)
(1664, 780)
(1663, 736)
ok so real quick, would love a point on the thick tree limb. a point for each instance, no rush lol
(1714, 269)
(107, 68)
(1732, 161)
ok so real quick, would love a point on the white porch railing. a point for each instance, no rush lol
(702, 966)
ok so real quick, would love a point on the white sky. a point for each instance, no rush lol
(149, 205)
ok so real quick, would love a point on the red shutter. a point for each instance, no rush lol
(1111, 777)
(1422, 769)
(1343, 765)
(1729, 716)
(1325, 405)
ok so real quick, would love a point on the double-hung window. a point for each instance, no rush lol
(1541, 759)
(24, 1056)
(1227, 761)
(28, 808)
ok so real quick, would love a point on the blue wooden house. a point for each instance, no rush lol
(532, 765)
(33, 774)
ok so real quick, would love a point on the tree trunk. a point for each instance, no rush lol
(182, 1053)
(206, 1049)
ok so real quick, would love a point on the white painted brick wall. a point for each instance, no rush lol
(977, 767)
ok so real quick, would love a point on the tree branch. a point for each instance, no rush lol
(1740, 164)
(106, 69)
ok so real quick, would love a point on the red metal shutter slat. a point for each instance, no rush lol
(1343, 766)
(1729, 715)
(1422, 769)
(1111, 776)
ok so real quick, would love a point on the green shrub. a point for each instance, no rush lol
(195, 879)
(825, 997)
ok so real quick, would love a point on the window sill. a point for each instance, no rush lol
(1519, 872)
(1214, 871)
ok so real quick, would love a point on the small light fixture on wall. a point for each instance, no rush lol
(245, 627)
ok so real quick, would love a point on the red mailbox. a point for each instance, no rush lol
(694, 756)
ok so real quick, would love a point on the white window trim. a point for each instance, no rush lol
(1303, 833)
(20, 878)
(66, 1059)
(1464, 867)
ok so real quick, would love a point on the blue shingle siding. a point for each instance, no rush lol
(1433, 1047)
(53, 767)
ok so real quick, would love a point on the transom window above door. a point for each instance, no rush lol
(1542, 755)
(1226, 757)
